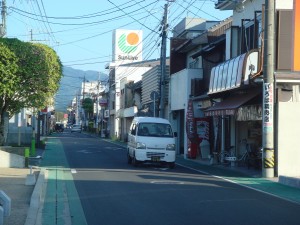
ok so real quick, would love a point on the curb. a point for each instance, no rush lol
(36, 199)
(290, 181)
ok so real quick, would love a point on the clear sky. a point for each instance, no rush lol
(81, 31)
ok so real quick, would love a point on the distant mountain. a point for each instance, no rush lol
(70, 85)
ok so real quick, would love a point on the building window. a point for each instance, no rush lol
(194, 64)
(247, 36)
(251, 33)
(259, 27)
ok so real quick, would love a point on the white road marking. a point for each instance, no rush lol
(166, 182)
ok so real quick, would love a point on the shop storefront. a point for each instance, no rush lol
(238, 123)
(236, 113)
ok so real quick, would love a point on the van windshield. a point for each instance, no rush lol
(155, 130)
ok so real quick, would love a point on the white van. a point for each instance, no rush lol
(150, 139)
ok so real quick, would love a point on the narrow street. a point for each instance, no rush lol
(113, 192)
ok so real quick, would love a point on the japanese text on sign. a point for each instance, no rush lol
(268, 101)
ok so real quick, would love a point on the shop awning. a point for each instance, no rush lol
(233, 73)
(230, 105)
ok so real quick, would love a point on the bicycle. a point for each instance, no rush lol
(247, 155)
(226, 156)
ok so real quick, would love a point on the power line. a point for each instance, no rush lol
(87, 16)
(132, 17)
(29, 15)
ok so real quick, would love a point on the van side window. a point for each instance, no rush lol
(133, 129)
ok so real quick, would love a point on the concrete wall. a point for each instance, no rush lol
(12, 157)
(13, 135)
(288, 139)
(180, 87)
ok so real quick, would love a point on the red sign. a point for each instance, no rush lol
(102, 102)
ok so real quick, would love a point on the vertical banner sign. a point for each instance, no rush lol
(268, 101)
(190, 123)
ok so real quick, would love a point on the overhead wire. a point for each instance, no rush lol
(178, 17)
(132, 16)
(50, 29)
(113, 9)
(30, 15)
(133, 69)
(117, 12)
(87, 16)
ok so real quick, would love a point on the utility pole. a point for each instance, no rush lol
(268, 91)
(97, 105)
(83, 87)
(3, 14)
(77, 109)
(85, 123)
(163, 62)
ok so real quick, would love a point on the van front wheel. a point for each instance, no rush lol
(135, 162)
(129, 159)
(172, 165)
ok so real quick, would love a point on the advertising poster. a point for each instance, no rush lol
(202, 125)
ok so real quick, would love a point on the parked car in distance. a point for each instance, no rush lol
(59, 127)
(76, 128)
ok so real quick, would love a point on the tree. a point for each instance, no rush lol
(34, 79)
(88, 106)
(8, 79)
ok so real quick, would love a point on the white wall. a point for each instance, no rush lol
(180, 87)
(247, 12)
(286, 4)
(178, 94)
(131, 72)
(288, 139)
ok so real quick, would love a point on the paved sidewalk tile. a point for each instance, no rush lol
(12, 182)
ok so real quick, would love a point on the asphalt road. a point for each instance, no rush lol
(115, 193)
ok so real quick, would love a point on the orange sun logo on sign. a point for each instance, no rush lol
(132, 39)
(128, 42)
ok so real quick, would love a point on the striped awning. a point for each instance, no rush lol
(230, 105)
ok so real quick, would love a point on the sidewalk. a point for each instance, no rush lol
(12, 182)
